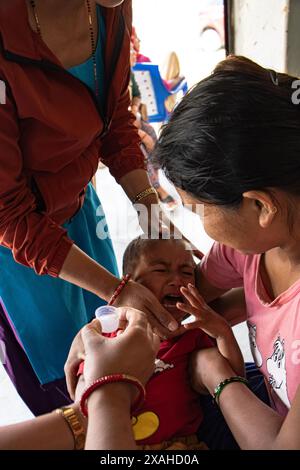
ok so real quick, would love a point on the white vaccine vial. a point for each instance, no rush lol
(109, 318)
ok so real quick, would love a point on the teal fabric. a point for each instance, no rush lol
(85, 71)
(47, 312)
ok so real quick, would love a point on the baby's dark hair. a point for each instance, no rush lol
(134, 251)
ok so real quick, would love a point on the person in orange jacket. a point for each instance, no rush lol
(65, 68)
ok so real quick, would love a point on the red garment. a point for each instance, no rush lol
(172, 408)
(139, 57)
(142, 58)
(52, 133)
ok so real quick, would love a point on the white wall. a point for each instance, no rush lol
(293, 48)
(260, 31)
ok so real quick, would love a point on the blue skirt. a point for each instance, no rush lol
(45, 312)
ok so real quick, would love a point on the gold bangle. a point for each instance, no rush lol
(76, 428)
(144, 194)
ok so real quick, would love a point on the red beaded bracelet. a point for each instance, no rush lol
(119, 289)
(107, 379)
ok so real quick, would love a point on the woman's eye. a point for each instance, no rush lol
(186, 273)
(160, 270)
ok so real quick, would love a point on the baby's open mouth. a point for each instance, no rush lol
(170, 300)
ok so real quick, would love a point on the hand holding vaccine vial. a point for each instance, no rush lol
(109, 318)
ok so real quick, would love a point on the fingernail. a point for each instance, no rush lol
(173, 325)
(190, 286)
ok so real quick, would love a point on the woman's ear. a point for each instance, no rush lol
(264, 206)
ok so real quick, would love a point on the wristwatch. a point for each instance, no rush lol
(71, 418)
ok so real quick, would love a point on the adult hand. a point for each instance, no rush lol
(137, 296)
(151, 217)
(140, 297)
(75, 357)
(153, 220)
(128, 318)
(132, 352)
(156, 224)
(206, 318)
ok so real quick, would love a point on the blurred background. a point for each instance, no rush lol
(194, 29)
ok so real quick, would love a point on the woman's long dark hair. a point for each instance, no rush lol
(235, 131)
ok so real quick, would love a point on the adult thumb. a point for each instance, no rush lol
(90, 334)
(96, 324)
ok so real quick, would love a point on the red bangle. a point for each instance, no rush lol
(107, 379)
(119, 289)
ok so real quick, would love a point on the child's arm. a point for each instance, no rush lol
(229, 348)
(214, 325)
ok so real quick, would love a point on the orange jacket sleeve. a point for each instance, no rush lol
(35, 240)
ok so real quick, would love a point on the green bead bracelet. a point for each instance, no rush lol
(219, 388)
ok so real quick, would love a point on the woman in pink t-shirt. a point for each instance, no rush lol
(239, 156)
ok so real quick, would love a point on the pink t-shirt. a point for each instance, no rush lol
(274, 326)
